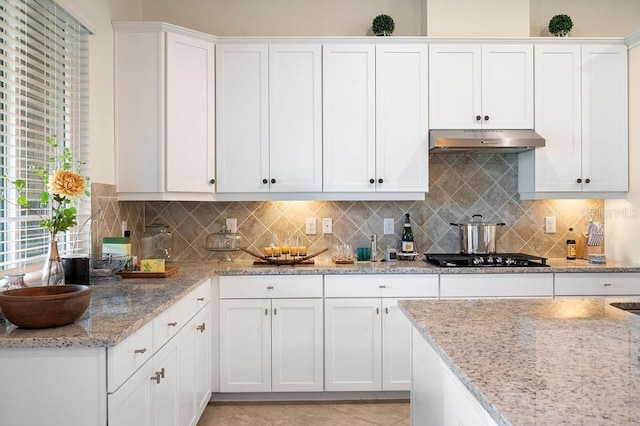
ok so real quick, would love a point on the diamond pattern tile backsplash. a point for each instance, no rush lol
(460, 185)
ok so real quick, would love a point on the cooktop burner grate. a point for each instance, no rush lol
(485, 260)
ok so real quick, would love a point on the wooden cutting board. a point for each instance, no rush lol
(168, 271)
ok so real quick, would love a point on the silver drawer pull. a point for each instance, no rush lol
(275, 311)
(386, 310)
(140, 351)
(378, 311)
(608, 284)
(158, 375)
(382, 286)
(269, 287)
(266, 311)
(200, 299)
(172, 324)
(201, 328)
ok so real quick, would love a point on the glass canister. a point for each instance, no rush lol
(157, 242)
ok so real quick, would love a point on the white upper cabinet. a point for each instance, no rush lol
(349, 117)
(581, 111)
(481, 86)
(269, 107)
(164, 113)
(375, 118)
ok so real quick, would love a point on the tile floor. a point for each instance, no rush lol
(387, 413)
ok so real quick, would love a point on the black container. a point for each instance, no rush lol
(76, 269)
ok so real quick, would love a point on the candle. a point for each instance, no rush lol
(277, 251)
(294, 250)
(267, 251)
(285, 249)
(302, 250)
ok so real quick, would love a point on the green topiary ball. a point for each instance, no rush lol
(383, 24)
(560, 25)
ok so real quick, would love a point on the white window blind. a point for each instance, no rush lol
(44, 71)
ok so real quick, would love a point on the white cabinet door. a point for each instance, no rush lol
(202, 361)
(352, 345)
(297, 345)
(242, 118)
(164, 113)
(295, 117)
(558, 117)
(455, 86)
(496, 285)
(396, 347)
(245, 345)
(402, 128)
(600, 284)
(507, 86)
(131, 404)
(187, 375)
(190, 156)
(349, 95)
(581, 111)
(165, 390)
(473, 86)
(604, 118)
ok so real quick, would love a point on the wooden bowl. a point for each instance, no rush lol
(44, 307)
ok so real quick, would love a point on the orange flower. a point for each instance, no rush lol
(67, 183)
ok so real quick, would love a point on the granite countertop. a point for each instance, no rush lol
(116, 311)
(326, 267)
(542, 362)
(120, 308)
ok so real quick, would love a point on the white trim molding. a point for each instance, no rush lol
(632, 40)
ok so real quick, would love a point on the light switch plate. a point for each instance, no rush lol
(310, 226)
(550, 224)
(327, 225)
(388, 225)
(232, 225)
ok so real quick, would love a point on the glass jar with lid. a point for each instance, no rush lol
(157, 242)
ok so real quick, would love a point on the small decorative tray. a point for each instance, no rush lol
(343, 261)
(407, 256)
(168, 271)
(304, 260)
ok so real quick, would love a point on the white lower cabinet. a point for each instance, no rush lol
(271, 344)
(597, 284)
(173, 385)
(367, 339)
(496, 285)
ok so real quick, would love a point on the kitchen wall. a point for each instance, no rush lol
(623, 216)
(334, 17)
(460, 185)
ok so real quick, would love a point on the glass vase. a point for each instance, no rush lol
(53, 272)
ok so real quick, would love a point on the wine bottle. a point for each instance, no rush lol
(571, 246)
(407, 236)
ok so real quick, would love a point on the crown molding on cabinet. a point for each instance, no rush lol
(143, 27)
(417, 40)
(633, 40)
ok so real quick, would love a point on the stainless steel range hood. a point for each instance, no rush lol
(500, 141)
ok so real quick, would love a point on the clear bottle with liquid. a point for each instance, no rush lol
(571, 246)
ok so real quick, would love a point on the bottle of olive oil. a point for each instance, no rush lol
(407, 236)
(571, 246)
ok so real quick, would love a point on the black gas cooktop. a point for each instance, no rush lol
(485, 260)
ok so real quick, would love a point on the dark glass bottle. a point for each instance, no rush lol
(571, 246)
(407, 236)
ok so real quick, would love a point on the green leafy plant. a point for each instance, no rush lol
(560, 25)
(61, 186)
(383, 25)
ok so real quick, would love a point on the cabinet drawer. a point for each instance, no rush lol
(597, 284)
(129, 355)
(270, 286)
(381, 286)
(169, 322)
(496, 285)
(198, 298)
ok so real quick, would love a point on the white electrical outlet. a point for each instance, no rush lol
(550, 224)
(327, 225)
(232, 225)
(388, 225)
(310, 226)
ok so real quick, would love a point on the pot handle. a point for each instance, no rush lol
(501, 224)
(473, 218)
(454, 224)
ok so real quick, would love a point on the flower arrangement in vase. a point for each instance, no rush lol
(61, 186)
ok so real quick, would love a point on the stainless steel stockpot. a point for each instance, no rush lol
(477, 236)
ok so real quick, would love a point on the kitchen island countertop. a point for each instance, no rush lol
(542, 362)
